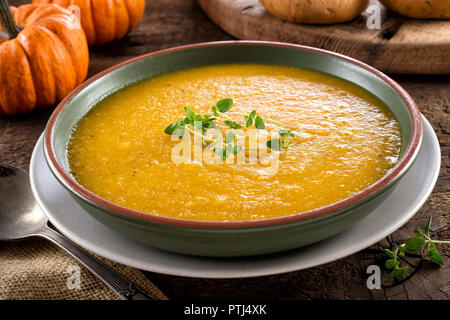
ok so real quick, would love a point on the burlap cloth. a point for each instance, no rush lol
(38, 269)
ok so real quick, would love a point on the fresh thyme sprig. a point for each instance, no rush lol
(413, 244)
(199, 124)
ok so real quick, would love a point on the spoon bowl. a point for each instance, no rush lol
(21, 217)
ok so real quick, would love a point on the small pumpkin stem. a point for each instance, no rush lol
(10, 29)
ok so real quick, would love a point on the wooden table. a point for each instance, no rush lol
(169, 23)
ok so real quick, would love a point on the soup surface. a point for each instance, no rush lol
(347, 140)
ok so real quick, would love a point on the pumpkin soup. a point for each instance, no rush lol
(341, 139)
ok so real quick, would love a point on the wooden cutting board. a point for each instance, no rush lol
(401, 45)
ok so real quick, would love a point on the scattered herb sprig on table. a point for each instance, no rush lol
(413, 244)
(198, 124)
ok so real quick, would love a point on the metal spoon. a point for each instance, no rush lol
(20, 218)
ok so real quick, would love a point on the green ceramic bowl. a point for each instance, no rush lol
(241, 238)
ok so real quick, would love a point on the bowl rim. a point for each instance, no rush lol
(123, 212)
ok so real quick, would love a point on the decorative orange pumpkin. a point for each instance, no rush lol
(43, 56)
(420, 9)
(315, 11)
(105, 20)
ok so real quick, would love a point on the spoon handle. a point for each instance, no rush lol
(115, 281)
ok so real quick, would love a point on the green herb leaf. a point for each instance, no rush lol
(208, 123)
(232, 124)
(186, 120)
(418, 231)
(224, 153)
(214, 111)
(259, 123)
(414, 244)
(220, 152)
(389, 253)
(229, 149)
(173, 126)
(391, 263)
(202, 122)
(248, 121)
(198, 125)
(398, 272)
(224, 105)
(230, 137)
(274, 144)
(427, 228)
(179, 132)
(286, 133)
(189, 113)
(433, 254)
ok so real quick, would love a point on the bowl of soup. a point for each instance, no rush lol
(307, 143)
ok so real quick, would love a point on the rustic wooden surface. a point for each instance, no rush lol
(169, 23)
(402, 45)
